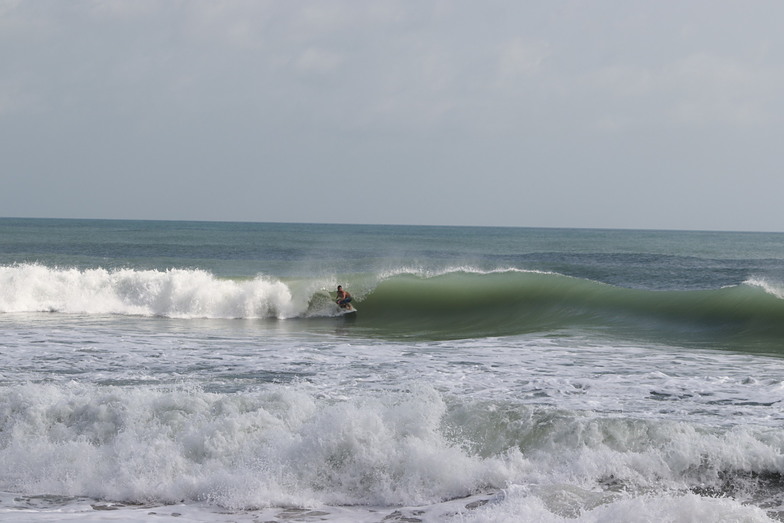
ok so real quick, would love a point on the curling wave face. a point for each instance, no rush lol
(515, 302)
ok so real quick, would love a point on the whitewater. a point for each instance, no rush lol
(202, 372)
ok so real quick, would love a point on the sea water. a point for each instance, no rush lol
(202, 372)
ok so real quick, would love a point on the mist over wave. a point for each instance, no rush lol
(771, 287)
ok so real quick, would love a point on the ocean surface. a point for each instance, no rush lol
(188, 371)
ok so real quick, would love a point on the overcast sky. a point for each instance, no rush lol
(557, 113)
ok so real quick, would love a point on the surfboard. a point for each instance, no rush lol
(344, 312)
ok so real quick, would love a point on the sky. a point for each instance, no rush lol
(558, 113)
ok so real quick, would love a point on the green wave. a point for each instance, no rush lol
(471, 304)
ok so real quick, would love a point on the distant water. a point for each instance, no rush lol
(490, 374)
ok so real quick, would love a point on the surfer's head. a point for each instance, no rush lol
(340, 287)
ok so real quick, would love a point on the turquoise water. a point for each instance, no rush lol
(589, 375)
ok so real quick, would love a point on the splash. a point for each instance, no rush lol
(771, 287)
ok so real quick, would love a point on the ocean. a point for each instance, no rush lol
(201, 371)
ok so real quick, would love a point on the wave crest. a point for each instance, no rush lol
(773, 288)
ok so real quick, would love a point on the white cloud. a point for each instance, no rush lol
(314, 60)
(710, 89)
(13, 99)
(122, 9)
(519, 58)
(697, 89)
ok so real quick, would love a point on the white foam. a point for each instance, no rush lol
(288, 447)
(466, 269)
(176, 293)
(773, 288)
(278, 448)
(567, 504)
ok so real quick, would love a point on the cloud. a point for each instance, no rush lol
(698, 89)
(119, 9)
(314, 60)
(712, 89)
(519, 59)
(564, 98)
(15, 98)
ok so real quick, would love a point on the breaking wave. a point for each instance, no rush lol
(459, 303)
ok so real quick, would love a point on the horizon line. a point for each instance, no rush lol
(359, 224)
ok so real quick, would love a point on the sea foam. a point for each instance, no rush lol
(277, 448)
(288, 447)
(176, 293)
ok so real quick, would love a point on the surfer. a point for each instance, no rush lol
(344, 298)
